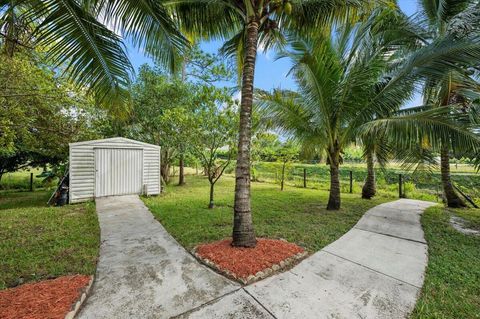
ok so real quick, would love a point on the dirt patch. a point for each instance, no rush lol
(45, 299)
(460, 225)
(250, 264)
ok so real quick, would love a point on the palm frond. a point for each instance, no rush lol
(93, 55)
(437, 125)
(148, 23)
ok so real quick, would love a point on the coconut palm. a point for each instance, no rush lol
(245, 25)
(338, 76)
(439, 22)
(351, 85)
(77, 36)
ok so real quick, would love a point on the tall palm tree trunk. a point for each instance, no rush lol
(453, 200)
(334, 197)
(368, 190)
(243, 233)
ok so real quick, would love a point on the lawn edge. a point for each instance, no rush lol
(81, 299)
(283, 266)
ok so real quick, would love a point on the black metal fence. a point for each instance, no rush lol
(393, 182)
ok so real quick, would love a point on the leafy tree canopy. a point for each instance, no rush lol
(40, 113)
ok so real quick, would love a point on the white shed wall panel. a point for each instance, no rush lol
(82, 166)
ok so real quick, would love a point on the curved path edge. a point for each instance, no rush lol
(375, 270)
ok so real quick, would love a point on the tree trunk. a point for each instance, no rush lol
(334, 198)
(368, 190)
(211, 203)
(453, 200)
(164, 170)
(283, 176)
(243, 233)
(165, 166)
(181, 174)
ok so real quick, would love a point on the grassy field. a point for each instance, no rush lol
(21, 180)
(452, 283)
(40, 242)
(296, 214)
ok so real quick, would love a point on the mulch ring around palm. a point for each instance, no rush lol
(45, 299)
(248, 265)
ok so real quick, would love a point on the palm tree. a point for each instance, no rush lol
(244, 25)
(339, 78)
(352, 85)
(77, 37)
(439, 22)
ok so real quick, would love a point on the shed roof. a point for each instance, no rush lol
(113, 139)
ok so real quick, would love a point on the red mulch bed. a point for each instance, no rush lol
(243, 262)
(50, 299)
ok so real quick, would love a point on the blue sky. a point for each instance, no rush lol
(269, 73)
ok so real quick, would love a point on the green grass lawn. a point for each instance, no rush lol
(40, 242)
(452, 283)
(296, 214)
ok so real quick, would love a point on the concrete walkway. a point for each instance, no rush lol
(375, 270)
(143, 272)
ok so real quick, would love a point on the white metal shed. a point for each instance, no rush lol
(113, 166)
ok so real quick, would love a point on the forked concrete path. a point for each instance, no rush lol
(375, 270)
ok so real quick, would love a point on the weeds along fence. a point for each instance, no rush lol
(392, 182)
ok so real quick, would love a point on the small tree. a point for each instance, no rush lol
(161, 114)
(200, 70)
(286, 153)
(214, 141)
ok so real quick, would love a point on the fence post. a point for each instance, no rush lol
(400, 182)
(31, 182)
(304, 178)
(351, 182)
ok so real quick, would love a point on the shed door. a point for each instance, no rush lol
(118, 171)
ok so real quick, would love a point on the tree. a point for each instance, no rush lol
(376, 148)
(100, 62)
(161, 114)
(40, 113)
(199, 69)
(215, 140)
(449, 29)
(286, 153)
(337, 78)
(347, 89)
(245, 25)
(453, 26)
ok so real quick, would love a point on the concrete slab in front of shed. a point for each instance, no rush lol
(327, 286)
